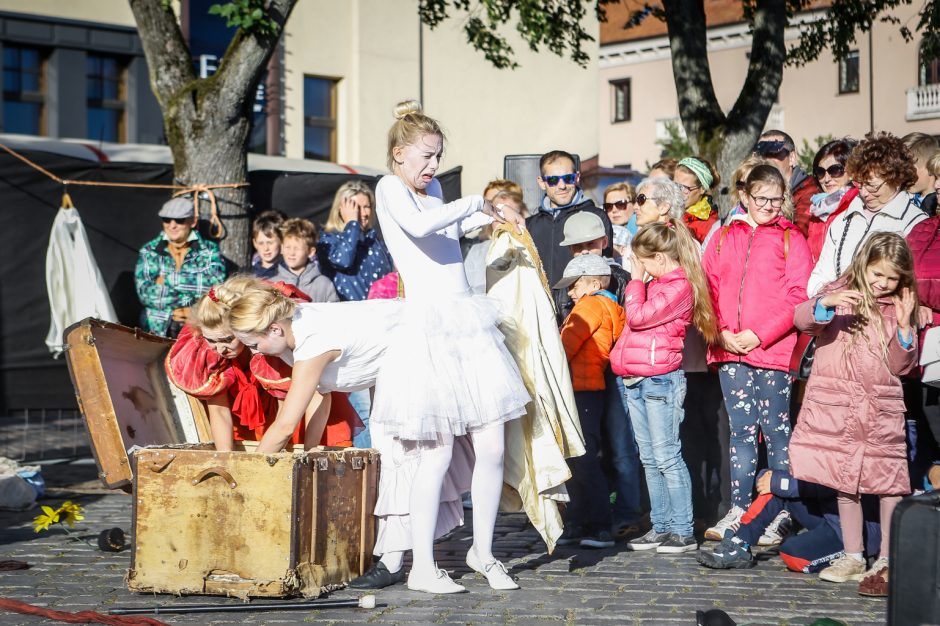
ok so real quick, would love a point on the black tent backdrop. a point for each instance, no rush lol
(118, 221)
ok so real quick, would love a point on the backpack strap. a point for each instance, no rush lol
(786, 243)
(721, 237)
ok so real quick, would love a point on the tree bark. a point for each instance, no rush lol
(207, 120)
(726, 139)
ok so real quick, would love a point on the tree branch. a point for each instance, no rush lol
(168, 57)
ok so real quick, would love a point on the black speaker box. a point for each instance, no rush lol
(914, 564)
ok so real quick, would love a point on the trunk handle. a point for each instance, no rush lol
(215, 471)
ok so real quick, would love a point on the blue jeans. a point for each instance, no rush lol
(656, 411)
(624, 456)
(755, 397)
(362, 402)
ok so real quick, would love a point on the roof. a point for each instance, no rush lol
(717, 13)
(149, 153)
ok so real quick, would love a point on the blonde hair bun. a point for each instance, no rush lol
(406, 108)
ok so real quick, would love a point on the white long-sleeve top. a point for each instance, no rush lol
(73, 280)
(850, 230)
(422, 234)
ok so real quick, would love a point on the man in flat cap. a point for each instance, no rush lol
(175, 269)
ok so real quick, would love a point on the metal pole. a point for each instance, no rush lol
(871, 79)
(365, 602)
(420, 61)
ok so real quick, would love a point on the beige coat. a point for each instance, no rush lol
(538, 443)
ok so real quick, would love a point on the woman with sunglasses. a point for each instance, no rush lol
(837, 191)
(697, 178)
(882, 168)
(757, 268)
(618, 203)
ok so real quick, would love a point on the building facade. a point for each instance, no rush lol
(76, 69)
(881, 86)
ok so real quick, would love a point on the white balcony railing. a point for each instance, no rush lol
(923, 102)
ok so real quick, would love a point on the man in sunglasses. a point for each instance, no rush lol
(560, 181)
(777, 147)
(175, 269)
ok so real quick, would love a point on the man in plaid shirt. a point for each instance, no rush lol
(175, 269)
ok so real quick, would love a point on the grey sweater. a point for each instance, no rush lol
(310, 281)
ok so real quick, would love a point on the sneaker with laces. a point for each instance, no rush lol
(649, 541)
(731, 521)
(625, 530)
(495, 572)
(731, 553)
(571, 535)
(600, 539)
(844, 569)
(677, 544)
(438, 582)
(777, 531)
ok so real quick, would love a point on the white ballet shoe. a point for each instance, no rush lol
(494, 571)
(439, 583)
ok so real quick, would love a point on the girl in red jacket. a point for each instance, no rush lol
(649, 357)
(851, 432)
(757, 268)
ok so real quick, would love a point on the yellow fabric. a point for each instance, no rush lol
(538, 443)
(701, 209)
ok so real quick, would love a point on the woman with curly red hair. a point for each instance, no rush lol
(882, 168)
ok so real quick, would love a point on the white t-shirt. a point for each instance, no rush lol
(422, 235)
(359, 330)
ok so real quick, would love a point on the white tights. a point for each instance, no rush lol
(486, 488)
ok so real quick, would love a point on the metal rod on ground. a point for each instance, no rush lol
(365, 602)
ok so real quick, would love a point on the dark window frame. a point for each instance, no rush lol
(927, 73)
(618, 87)
(28, 97)
(844, 86)
(110, 104)
(330, 123)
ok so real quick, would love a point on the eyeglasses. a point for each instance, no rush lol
(620, 205)
(569, 179)
(834, 171)
(773, 149)
(642, 198)
(686, 190)
(868, 187)
(761, 201)
(177, 220)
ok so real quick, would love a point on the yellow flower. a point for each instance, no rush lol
(42, 522)
(73, 512)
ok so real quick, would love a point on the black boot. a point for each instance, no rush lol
(378, 577)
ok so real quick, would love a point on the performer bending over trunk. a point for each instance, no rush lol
(447, 372)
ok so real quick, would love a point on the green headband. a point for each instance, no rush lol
(700, 170)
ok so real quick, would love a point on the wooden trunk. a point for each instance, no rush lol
(243, 524)
(125, 396)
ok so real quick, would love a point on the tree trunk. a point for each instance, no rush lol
(207, 120)
(726, 140)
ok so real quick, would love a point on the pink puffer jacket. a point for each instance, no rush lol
(757, 276)
(850, 434)
(657, 315)
(924, 240)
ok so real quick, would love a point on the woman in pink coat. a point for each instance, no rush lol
(757, 268)
(850, 435)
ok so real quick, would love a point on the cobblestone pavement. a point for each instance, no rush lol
(569, 587)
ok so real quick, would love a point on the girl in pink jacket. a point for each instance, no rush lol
(648, 355)
(850, 435)
(757, 268)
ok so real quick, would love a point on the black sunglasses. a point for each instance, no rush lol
(178, 220)
(773, 149)
(617, 204)
(641, 199)
(833, 170)
(569, 179)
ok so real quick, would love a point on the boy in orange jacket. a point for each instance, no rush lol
(588, 334)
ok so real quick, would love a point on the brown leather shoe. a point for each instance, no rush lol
(875, 585)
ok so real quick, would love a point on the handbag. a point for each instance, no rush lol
(801, 361)
(930, 357)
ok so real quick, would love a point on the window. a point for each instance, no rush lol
(848, 73)
(319, 118)
(106, 86)
(929, 69)
(620, 107)
(23, 101)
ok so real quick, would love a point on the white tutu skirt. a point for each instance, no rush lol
(447, 371)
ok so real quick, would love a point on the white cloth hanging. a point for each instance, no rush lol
(76, 288)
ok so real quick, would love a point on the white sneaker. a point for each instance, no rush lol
(879, 564)
(439, 583)
(844, 569)
(731, 521)
(495, 572)
(777, 531)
